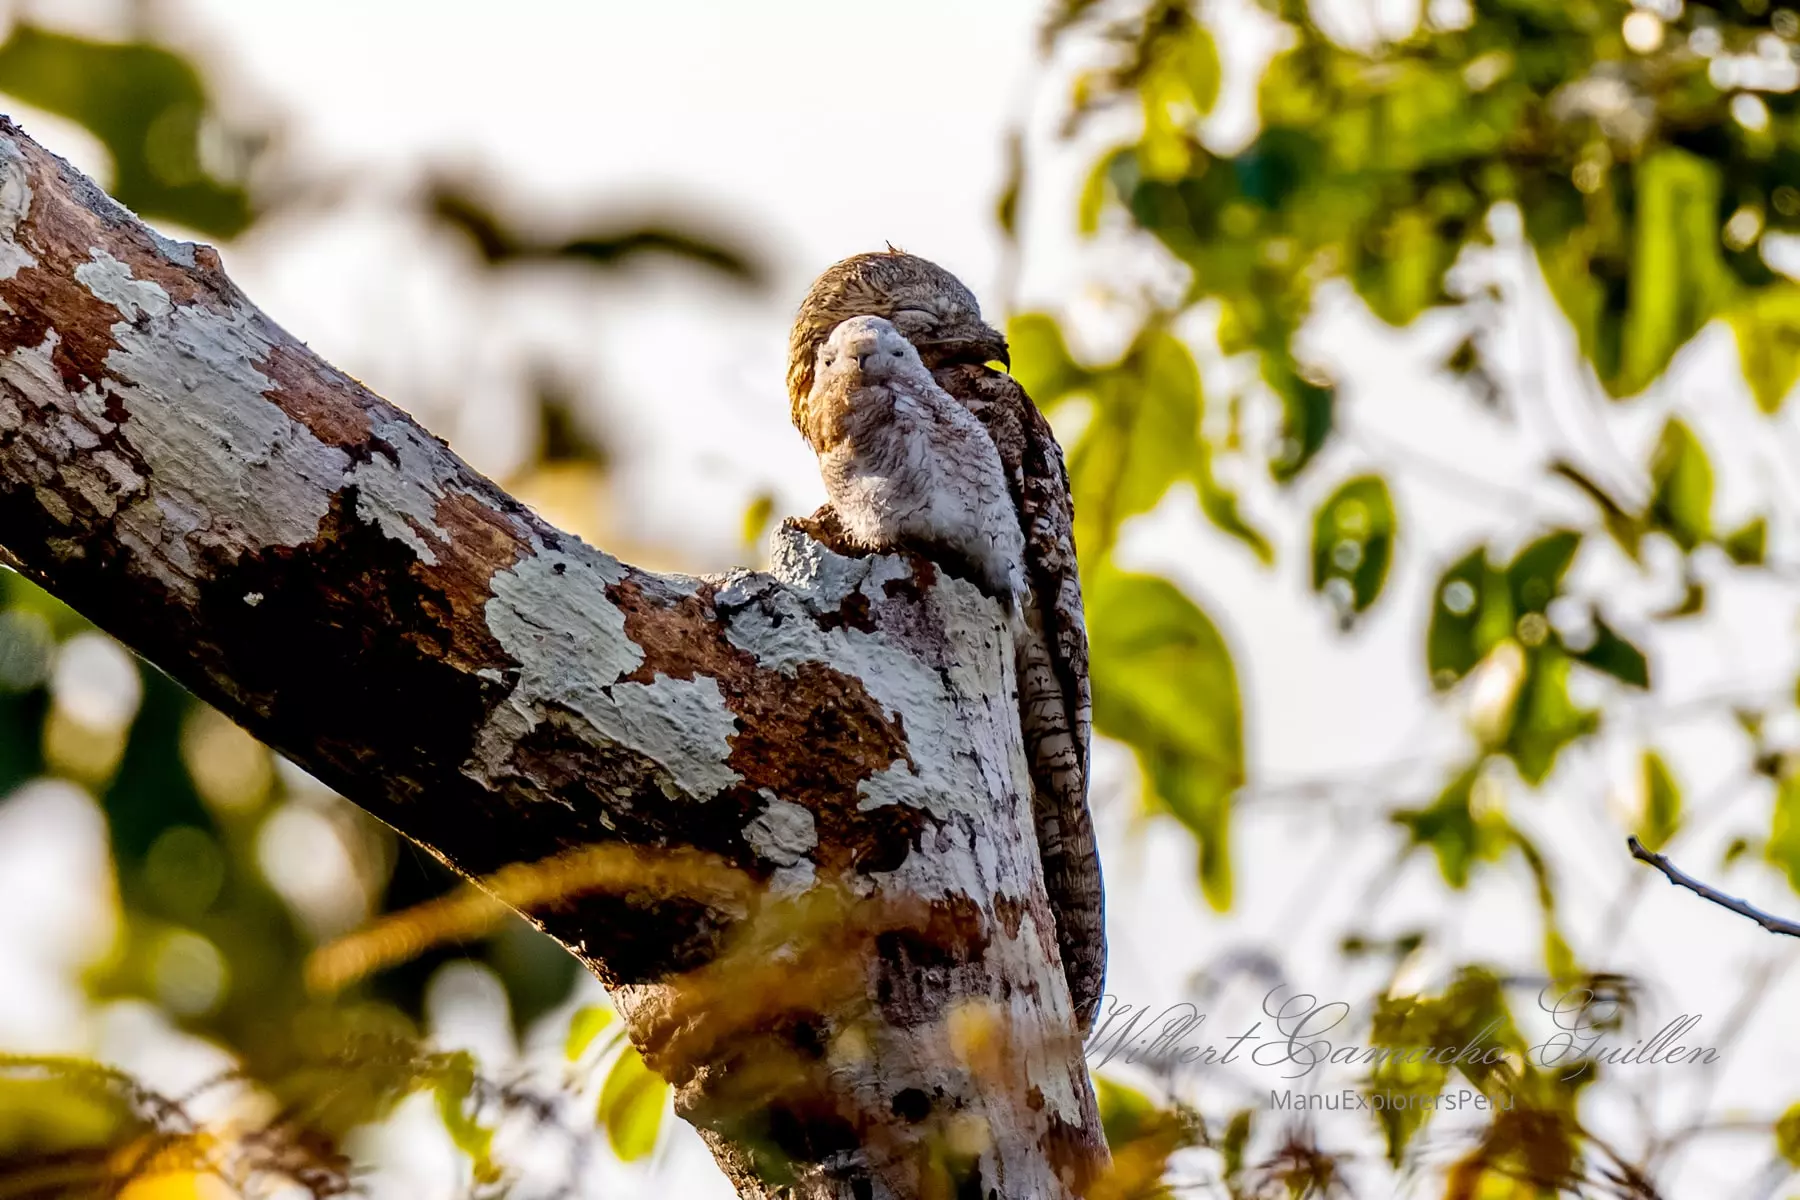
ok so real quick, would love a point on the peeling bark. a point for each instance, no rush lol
(877, 1012)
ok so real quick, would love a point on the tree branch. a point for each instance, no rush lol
(845, 963)
(1680, 878)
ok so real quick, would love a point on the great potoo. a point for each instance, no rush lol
(942, 321)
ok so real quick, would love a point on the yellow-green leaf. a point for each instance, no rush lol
(1787, 1136)
(1124, 1111)
(1768, 339)
(1178, 86)
(1783, 848)
(1144, 437)
(632, 1101)
(1471, 613)
(1747, 547)
(1678, 277)
(1682, 481)
(1662, 803)
(586, 1025)
(1164, 684)
(1353, 543)
(1454, 831)
(1041, 361)
(454, 1088)
(1545, 717)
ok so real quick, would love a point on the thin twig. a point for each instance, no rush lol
(1680, 878)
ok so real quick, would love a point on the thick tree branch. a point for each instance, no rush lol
(1679, 878)
(845, 961)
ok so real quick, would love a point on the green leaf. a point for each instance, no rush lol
(1353, 540)
(1154, 397)
(1636, 262)
(1472, 1011)
(586, 1025)
(1614, 655)
(1236, 1141)
(756, 517)
(1545, 719)
(1125, 1112)
(1662, 803)
(454, 1087)
(1094, 193)
(1535, 575)
(1678, 277)
(150, 109)
(1783, 849)
(1768, 338)
(1179, 86)
(1787, 1136)
(1220, 506)
(1453, 831)
(62, 1106)
(1144, 437)
(1164, 684)
(1748, 546)
(1307, 415)
(632, 1101)
(1470, 614)
(1682, 486)
(1041, 361)
(1559, 956)
(1405, 275)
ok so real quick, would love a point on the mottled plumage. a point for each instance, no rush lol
(904, 464)
(942, 320)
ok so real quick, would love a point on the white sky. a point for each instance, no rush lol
(825, 128)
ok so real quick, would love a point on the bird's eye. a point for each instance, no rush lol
(899, 353)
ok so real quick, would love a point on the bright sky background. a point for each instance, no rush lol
(821, 128)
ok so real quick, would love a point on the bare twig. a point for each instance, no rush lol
(1680, 878)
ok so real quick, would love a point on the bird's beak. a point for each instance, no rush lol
(985, 346)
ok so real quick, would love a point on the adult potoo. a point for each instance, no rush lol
(942, 320)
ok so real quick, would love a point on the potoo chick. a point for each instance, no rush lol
(906, 465)
(941, 320)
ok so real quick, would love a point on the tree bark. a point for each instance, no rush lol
(839, 950)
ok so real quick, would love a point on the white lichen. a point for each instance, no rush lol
(551, 613)
(928, 695)
(199, 418)
(399, 494)
(15, 206)
(684, 724)
(782, 833)
(111, 280)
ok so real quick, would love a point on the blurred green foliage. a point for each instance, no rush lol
(500, 240)
(1647, 171)
(174, 157)
(1646, 157)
